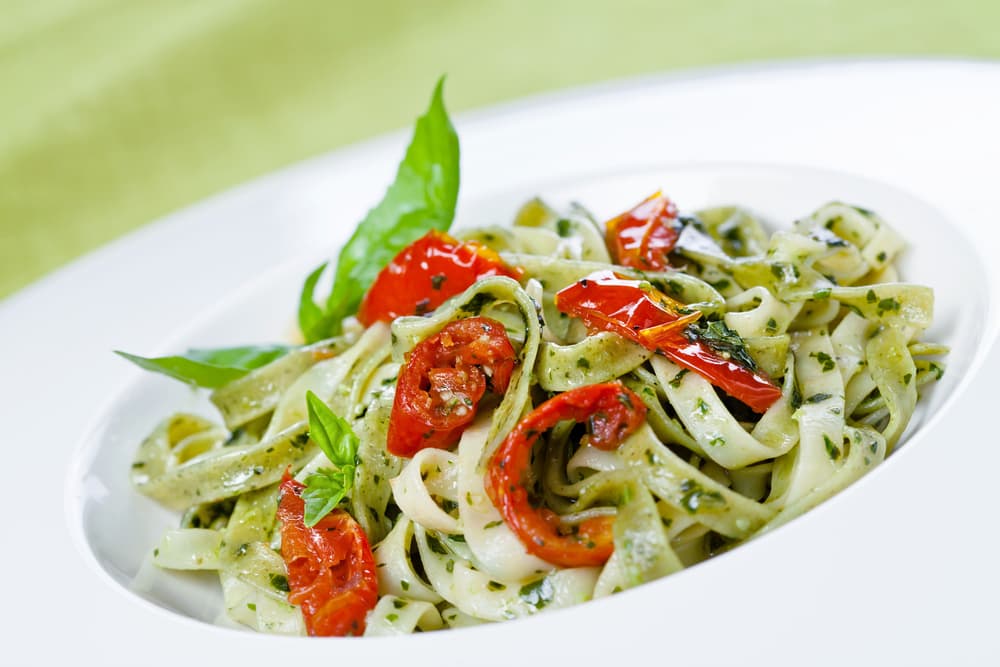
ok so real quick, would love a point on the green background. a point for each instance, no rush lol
(115, 112)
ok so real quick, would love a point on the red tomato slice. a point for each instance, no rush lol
(442, 382)
(608, 302)
(643, 237)
(425, 274)
(612, 413)
(636, 311)
(331, 570)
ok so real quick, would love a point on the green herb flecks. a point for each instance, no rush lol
(831, 449)
(825, 360)
(888, 305)
(696, 498)
(538, 593)
(723, 340)
(279, 582)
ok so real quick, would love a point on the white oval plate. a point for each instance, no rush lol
(898, 567)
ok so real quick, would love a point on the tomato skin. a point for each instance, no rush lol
(643, 237)
(425, 274)
(444, 378)
(636, 311)
(612, 412)
(751, 388)
(331, 570)
(608, 302)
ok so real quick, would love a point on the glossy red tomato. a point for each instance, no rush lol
(612, 412)
(443, 380)
(637, 311)
(425, 274)
(608, 302)
(331, 570)
(644, 236)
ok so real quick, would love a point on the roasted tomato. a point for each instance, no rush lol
(608, 302)
(643, 237)
(612, 412)
(639, 312)
(331, 570)
(443, 380)
(427, 272)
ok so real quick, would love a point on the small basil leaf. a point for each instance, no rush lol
(324, 490)
(422, 198)
(210, 368)
(332, 433)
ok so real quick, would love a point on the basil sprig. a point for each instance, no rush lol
(326, 487)
(210, 368)
(422, 198)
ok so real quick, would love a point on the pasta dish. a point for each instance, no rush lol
(484, 424)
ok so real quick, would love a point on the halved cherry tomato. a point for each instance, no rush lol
(331, 570)
(425, 274)
(643, 237)
(637, 311)
(612, 413)
(443, 380)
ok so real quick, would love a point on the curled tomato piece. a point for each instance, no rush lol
(637, 311)
(443, 380)
(612, 412)
(644, 236)
(425, 274)
(331, 570)
(608, 302)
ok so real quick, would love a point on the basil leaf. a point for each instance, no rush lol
(311, 320)
(422, 198)
(210, 368)
(324, 490)
(332, 433)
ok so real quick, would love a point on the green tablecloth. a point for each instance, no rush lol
(115, 112)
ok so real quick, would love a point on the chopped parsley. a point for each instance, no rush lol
(279, 582)
(887, 305)
(676, 381)
(538, 593)
(695, 497)
(831, 449)
(824, 360)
